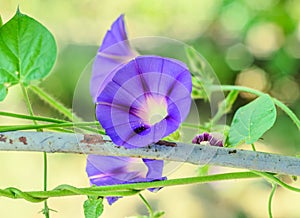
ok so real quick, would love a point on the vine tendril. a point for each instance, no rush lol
(132, 189)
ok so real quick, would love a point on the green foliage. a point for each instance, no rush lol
(230, 99)
(93, 207)
(225, 107)
(251, 121)
(1, 22)
(201, 74)
(27, 51)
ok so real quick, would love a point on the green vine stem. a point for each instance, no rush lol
(28, 104)
(281, 105)
(27, 117)
(274, 186)
(40, 196)
(83, 125)
(54, 103)
(118, 190)
(46, 210)
(134, 188)
(272, 179)
(148, 206)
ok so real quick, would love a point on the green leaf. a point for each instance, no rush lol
(158, 214)
(1, 22)
(251, 121)
(3, 92)
(93, 207)
(27, 50)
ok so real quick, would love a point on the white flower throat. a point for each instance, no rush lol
(154, 109)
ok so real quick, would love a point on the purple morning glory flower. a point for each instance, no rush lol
(114, 51)
(104, 170)
(213, 139)
(146, 100)
(139, 99)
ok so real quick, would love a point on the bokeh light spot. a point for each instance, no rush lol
(238, 57)
(263, 39)
(255, 78)
(286, 89)
(234, 17)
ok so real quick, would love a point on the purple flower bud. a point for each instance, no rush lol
(114, 51)
(214, 139)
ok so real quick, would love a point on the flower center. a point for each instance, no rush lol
(154, 109)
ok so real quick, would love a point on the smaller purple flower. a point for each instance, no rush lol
(214, 139)
(106, 170)
(114, 51)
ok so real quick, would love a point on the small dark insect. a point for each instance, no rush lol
(232, 152)
(140, 129)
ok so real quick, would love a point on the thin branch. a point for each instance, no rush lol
(181, 152)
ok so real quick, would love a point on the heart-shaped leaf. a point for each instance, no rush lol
(93, 207)
(251, 121)
(27, 51)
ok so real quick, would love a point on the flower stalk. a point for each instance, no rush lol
(30, 110)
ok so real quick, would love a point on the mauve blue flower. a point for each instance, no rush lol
(146, 100)
(106, 170)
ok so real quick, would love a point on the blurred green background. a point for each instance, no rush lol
(248, 42)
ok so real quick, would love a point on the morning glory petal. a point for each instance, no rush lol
(114, 51)
(107, 170)
(155, 168)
